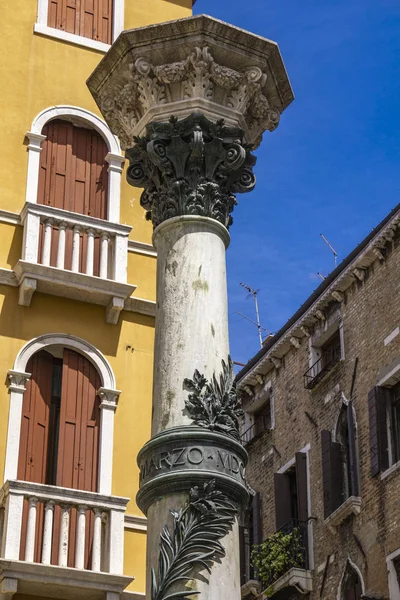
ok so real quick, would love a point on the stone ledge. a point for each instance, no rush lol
(299, 579)
(352, 506)
(61, 582)
(68, 284)
(251, 589)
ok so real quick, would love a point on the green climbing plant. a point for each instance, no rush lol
(274, 557)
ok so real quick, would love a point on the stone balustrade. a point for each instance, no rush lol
(107, 545)
(113, 241)
(73, 255)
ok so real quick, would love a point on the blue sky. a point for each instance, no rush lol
(333, 164)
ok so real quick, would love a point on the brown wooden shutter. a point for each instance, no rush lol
(256, 520)
(354, 483)
(79, 424)
(78, 449)
(242, 550)
(73, 171)
(32, 462)
(378, 436)
(74, 177)
(332, 473)
(283, 512)
(301, 480)
(87, 18)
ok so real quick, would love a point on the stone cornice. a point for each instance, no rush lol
(345, 278)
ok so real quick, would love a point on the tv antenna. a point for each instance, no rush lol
(331, 248)
(321, 276)
(257, 323)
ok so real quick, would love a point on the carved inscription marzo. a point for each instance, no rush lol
(189, 458)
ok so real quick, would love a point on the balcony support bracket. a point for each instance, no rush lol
(114, 308)
(26, 290)
(8, 587)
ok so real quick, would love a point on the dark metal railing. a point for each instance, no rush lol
(261, 423)
(298, 548)
(321, 367)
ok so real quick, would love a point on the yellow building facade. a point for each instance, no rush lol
(77, 285)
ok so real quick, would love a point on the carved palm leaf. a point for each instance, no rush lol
(194, 541)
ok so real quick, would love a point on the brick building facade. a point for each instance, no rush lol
(322, 429)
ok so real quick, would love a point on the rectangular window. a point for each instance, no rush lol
(291, 506)
(257, 422)
(384, 427)
(324, 357)
(87, 18)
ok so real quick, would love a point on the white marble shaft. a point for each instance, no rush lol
(192, 314)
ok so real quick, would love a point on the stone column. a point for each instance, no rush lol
(189, 100)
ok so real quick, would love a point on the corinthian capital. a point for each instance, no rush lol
(191, 167)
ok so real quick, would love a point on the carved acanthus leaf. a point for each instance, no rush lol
(146, 85)
(191, 167)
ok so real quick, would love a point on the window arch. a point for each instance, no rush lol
(84, 119)
(95, 375)
(352, 584)
(346, 437)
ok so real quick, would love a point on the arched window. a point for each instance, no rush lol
(351, 584)
(73, 176)
(89, 162)
(343, 438)
(339, 461)
(73, 169)
(60, 435)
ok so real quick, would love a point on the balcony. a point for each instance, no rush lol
(261, 424)
(322, 366)
(49, 509)
(290, 542)
(75, 256)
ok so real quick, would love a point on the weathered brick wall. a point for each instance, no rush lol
(370, 312)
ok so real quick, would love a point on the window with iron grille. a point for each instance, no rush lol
(257, 420)
(324, 357)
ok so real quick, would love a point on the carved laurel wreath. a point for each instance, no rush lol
(193, 541)
(214, 404)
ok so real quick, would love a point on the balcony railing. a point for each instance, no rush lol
(298, 547)
(36, 525)
(73, 255)
(261, 424)
(321, 367)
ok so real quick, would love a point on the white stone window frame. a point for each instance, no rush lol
(108, 395)
(310, 533)
(389, 380)
(84, 118)
(42, 27)
(394, 586)
(258, 401)
(345, 402)
(323, 334)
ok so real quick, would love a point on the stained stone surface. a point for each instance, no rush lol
(198, 64)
